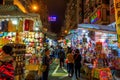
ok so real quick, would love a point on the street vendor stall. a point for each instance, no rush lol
(101, 74)
(13, 22)
(96, 65)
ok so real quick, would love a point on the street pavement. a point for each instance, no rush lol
(57, 73)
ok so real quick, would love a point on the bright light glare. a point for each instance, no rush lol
(35, 7)
(14, 22)
(83, 31)
(36, 28)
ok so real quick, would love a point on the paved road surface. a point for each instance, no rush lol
(57, 73)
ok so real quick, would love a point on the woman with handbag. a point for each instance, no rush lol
(70, 63)
(45, 64)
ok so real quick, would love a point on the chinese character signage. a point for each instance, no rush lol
(117, 16)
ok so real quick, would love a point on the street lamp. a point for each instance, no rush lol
(34, 7)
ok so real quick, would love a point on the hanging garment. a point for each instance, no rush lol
(31, 22)
(26, 25)
(20, 26)
(11, 27)
(37, 25)
(5, 25)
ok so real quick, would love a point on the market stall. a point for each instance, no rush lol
(14, 24)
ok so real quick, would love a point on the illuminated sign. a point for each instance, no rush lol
(52, 18)
(117, 16)
(95, 17)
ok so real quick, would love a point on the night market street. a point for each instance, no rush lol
(57, 73)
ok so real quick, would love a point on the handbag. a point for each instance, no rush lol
(43, 68)
(66, 61)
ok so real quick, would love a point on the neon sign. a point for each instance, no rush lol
(52, 18)
(95, 17)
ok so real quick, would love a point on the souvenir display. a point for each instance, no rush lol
(102, 73)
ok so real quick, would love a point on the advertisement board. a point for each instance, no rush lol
(117, 16)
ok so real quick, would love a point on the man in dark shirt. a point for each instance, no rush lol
(46, 61)
(77, 63)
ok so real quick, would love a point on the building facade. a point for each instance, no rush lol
(42, 10)
(73, 15)
(97, 12)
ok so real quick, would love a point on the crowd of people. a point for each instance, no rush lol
(71, 57)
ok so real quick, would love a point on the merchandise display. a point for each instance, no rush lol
(102, 73)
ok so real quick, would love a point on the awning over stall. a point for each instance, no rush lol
(97, 27)
(7, 11)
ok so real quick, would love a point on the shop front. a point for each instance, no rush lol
(19, 30)
(100, 61)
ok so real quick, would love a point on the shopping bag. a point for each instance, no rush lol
(43, 68)
(66, 61)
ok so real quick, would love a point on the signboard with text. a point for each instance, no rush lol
(117, 16)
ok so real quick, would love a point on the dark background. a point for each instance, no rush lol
(57, 8)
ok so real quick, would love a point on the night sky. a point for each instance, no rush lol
(57, 8)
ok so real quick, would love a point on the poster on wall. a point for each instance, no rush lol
(117, 16)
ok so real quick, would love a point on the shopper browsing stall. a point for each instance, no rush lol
(6, 63)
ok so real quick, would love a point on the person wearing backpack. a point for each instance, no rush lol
(77, 63)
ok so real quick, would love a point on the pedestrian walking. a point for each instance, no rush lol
(70, 63)
(46, 62)
(61, 57)
(77, 63)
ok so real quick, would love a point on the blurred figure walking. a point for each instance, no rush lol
(77, 63)
(70, 63)
(61, 57)
(46, 61)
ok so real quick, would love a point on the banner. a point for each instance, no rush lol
(117, 16)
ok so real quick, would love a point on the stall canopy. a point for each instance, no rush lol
(96, 27)
(10, 11)
(7, 11)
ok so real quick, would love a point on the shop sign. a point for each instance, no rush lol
(117, 16)
(95, 17)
